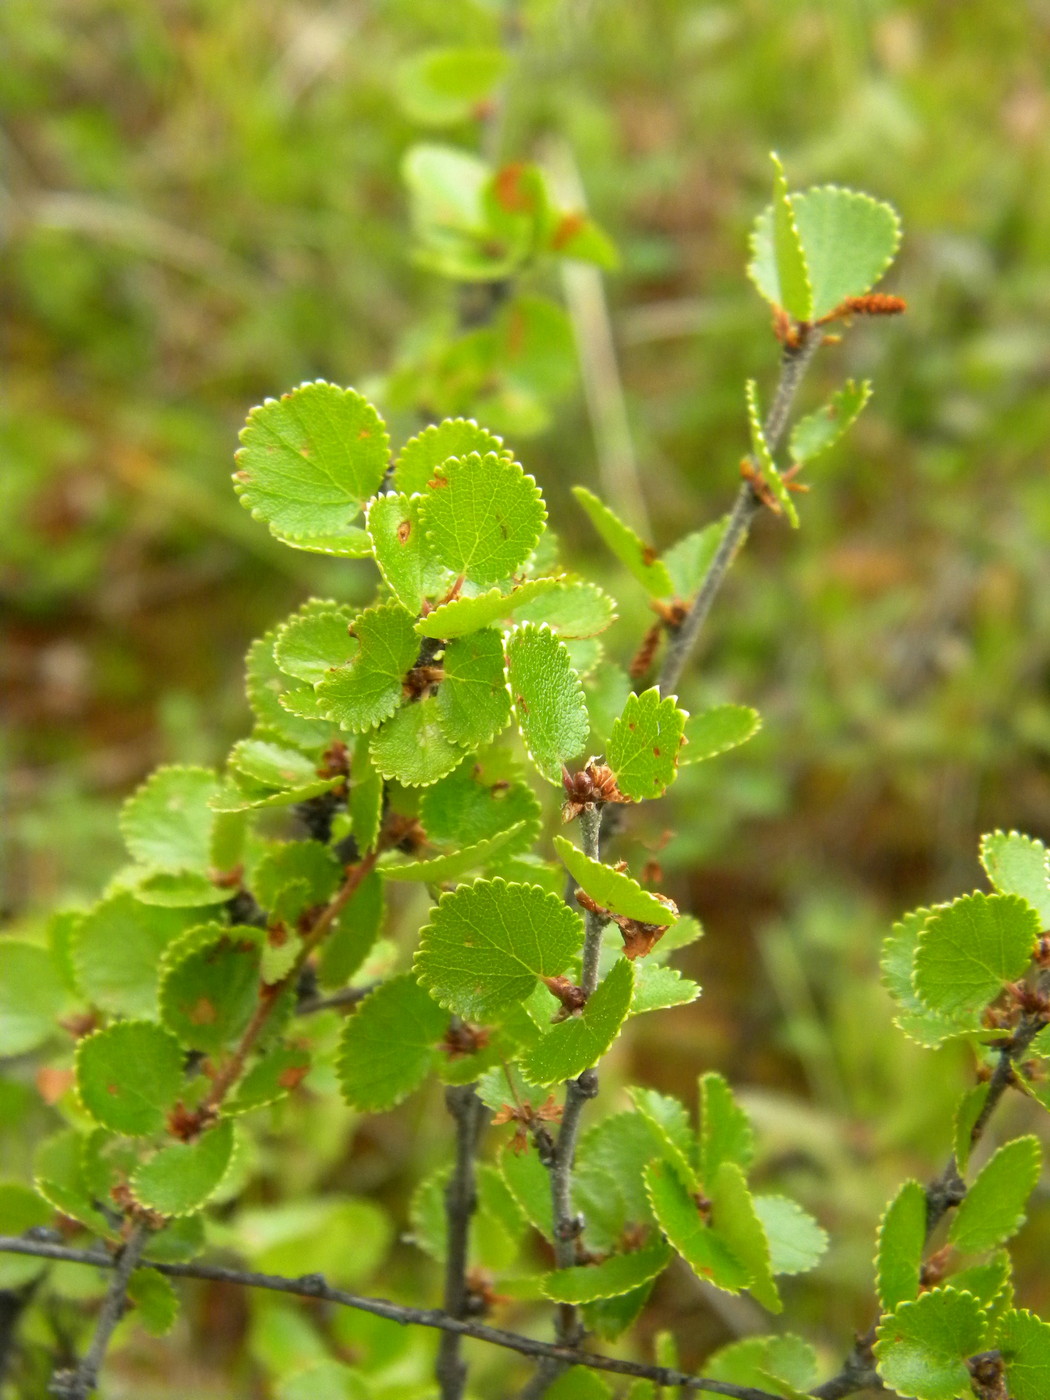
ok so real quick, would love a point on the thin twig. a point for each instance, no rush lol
(346, 996)
(470, 1116)
(793, 365)
(314, 1286)
(79, 1383)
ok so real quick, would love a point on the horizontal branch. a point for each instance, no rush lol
(314, 1286)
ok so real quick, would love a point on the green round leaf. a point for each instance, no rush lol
(454, 437)
(643, 749)
(368, 690)
(117, 950)
(614, 889)
(579, 1042)
(1024, 1341)
(129, 1075)
(208, 993)
(314, 640)
(388, 1045)
(178, 1179)
(412, 748)
(487, 943)
(922, 1347)
(483, 516)
(796, 1242)
(155, 1300)
(465, 615)
(166, 823)
(1019, 865)
(310, 460)
(618, 1274)
(472, 702)
(32, 995)
(969, 949)
(548, 698)
(993, 1208)
(902, 1241)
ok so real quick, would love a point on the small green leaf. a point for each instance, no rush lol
(915, 1019)
(465, 615)
(209, 992)
(483, 516)
(412, 748)
(573, 609)
(969, 949)
(156, 1302)
(819, 431)
(967, 1112)
(669, 1121)
(902, 1240)
(643, 749)
(794, 290)
(310, 460)
(32, 995)
(529, 1183)
(488, 942)
(442, 87)
(657, 988)
(478, 801)
(636, 556)
(796, 1241)
(608, 1177)
(923, 1346)
(454, 437)
(1019, 865)
(349, 543)
(579, 1042)
(705, 1250)
(388, 1045)
(440, 869)
(265, 684)
(786, 1362)
(129, 1075)
(368, 690)
(178, 1179)
(548, 698)
(184, 889)
(366, 798)
(117, 949)
(314, 640)
(1024, 1342)
(993, 1208)
(351, 940)
(990, 1284)
(607, 693)
(613, 889)
(763, 457)
(58, 1174)
(618, 1274)
(166, 823)
(726, 1134)
(401, 549)
(578, 1384)
(691, 557)
(717, 730)
(274, 765)
(736, 1219)
(270, 1079)
(288, 862)
(472, 701)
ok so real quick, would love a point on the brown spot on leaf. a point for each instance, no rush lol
(52, 1083)
(293, 1076)
(203, 1012)
(648, 555)
(568, 227)
(436, 482)
(519, 700)
(510, 191)
(365, 433)
(656, 752)
(403, 531)
(242, 476)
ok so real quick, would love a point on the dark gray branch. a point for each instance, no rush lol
(470, 1116)
(79, 1383)
(314, 1286)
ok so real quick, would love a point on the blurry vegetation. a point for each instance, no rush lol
(203, 204)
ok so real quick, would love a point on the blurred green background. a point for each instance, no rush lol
(202, 206)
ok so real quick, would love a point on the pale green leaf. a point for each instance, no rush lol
(614, 889)
(967, 1112)
(608, 1176)
(607, 692)
(578, 1383)
(736, 1219)
(116, 951)
(618, 1274)
(763, 457)
(314, 640)
(272, 764)
(412, 748)
(351, 542)
(796, 1241)
(1024, 1342)
(472, 701)
(643, 749)
(271, 1078)
(704, 1249)
(993, 1208)
(265, 684)
(465, 615)
(128, 1076)
(636, 556)
(794, 291)
(573, 609)
(580, 1041)
(726, 1134)
(548, 698)
(488, 942)
(308, 862)
(819, 431)
(209, 986)
(1019, 865)
(482, 516)
(969, 949)
(445, 185)
(166, 889)
(368, 690)
(717, 730)
(923, 1346)
(688, 561)
(178, 1179)
(657, 988)
(442, 87)
(310, 460)
(401, 549)
(166, 823)
(454, 437)
(388, 1044)
(529, 1183)
(366, 798)
(59, 1176)
(440, 869)
(901, 1244)
(479, 800)
(915, 1019)
(32, 994)
(155, 1300)
(354, 935)
(669, 1120)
